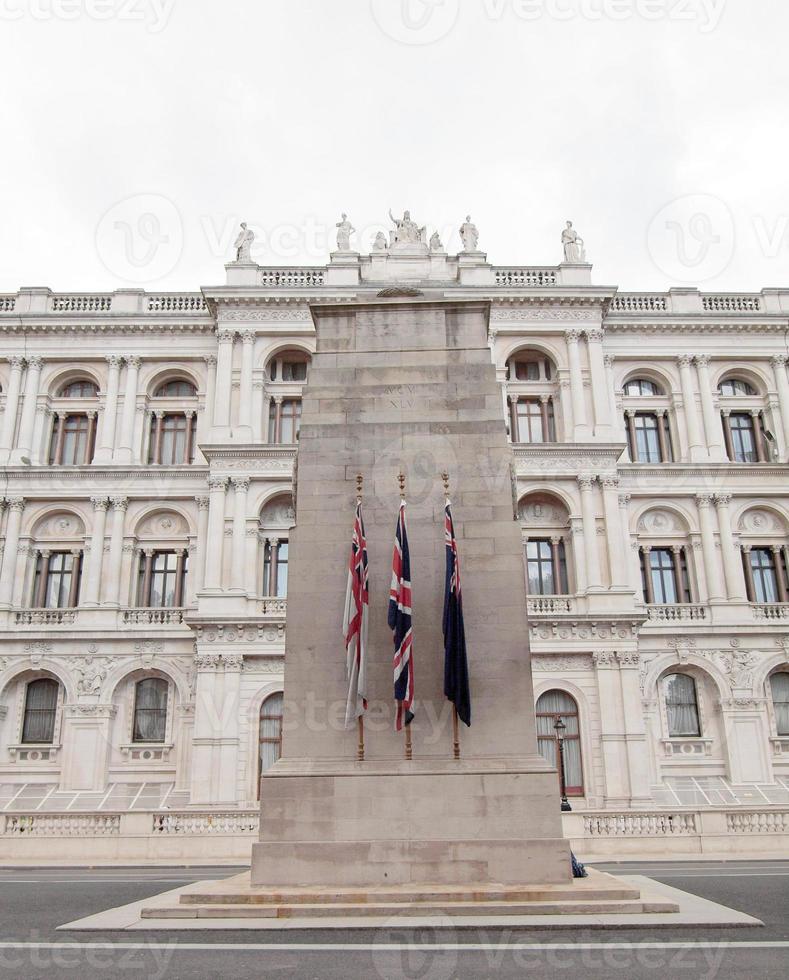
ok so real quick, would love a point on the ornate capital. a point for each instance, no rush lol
(240, 483)
(100, 503)
(17, 362)
(594, 336)
(573, 336)
(133, 362)
(702, 360)
(210, 360)
(609, 360)
(120, 503)
(114, 361)
(685, 360)
(247, 337)
(16, 503)
(586, 483)
(624, 499)
(779, 360)
(225, 336)
(704, 500)
(722, 499)
(35, 362)
(217, 483)
(610, 482)
(202, 503)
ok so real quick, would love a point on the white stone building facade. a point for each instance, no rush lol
(147, 444)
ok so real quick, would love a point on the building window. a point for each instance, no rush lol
(275, 569)
(41, 705)
(735, 388)
(73, 440)
(550, 707)
(648, 437)
(162, 579)
(546, 567)
(534, 420)
(284, 421)
(664, 576)
(766, 574)
(641, 387)
(289, 367)
(682, 708)
(80, 389)
(741, 437)
(172, 439)
(177, 388)
(150, 710)
(270, 733)
(57, 580)
(779, 685)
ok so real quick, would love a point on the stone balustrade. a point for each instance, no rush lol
(60, 824)
(236, 822)
(158, 617)
(758, 822)
(639, 303)
(636, 824)
(45, 617)
(677, 612)
(292, 278)
(770, 610)
(541, 605)
(535, 276)
(76, 303)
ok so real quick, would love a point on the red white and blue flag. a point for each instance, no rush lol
(354, 623)
(456, 685)
(400, 624)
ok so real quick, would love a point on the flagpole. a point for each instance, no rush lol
(408, 745)
(455, 725)
(360, 720)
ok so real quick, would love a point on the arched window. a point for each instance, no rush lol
(642, 387)
(83, 388)
(41, 705)
(682, 706)
(550, 707)
(150, 710)
(779, 685)
(270, 733)
(530, 366)
(288, 367)
(531, 390)
(735, 388)
(176, 388)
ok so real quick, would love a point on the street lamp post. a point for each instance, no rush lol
(560, 728)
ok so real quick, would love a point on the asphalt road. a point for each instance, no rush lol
(34, 902)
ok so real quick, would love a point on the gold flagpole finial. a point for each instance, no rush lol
(401, 481)
(445, 479)
(359, 487)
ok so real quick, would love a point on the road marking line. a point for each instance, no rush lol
(177, 946)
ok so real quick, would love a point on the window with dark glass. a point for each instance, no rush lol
(530, 368)
(80, 389)
(648, 437)
(41, 704)
(550, 707)
(546, 567)
(177, 388)
(275, 569)
(682, 709)
(765, 574)
(641, 387)
(284, 421)
(57, 580)
(73, 440)
(162, 579)
(779, 686)
(535, 420)
(150, 710)
(270, 733)
(172, 439)
(735, 388)
(664, 576)
(290, 367)
(743, 437)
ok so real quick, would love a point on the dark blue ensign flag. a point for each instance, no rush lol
(456, 686)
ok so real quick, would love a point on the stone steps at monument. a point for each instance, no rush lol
(584, 906)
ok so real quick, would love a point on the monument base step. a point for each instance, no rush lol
(236, 898)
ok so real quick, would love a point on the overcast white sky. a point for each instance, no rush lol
(136, 134)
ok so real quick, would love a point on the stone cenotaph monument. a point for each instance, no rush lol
(405, 383)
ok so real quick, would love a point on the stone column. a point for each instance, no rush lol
(600, 397)
(631, 560)
(113, 579)
(11, 403)
(579, 554)
(25, 441)
(106, 442)
(632, 438)
(636, 744)
(594, 579)
(41, 425)
(257, 411)
(241, 486)
(216, 534)
(779, 363)
(216, 738)
(16, 506)
(253, 560)
(224, 379)
(198, 572)
(616, 558)
(93, 583)
(126, 450)
(580, 427)
(697, 449)
(247, 367)
(612, 729)
(712, 419)
(617, 419)
(565, 400)
(732, 566)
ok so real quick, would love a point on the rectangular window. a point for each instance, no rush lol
(647, 438)
(150, 710)
(543, 576)
(743, 438)
(41, 702)
(159, 586)
(664, 576)
(54, 586)
(682, 708)
(764, 574)
(275, 570)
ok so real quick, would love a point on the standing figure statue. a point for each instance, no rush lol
(344, 231)
(380, 243)
(406, 231)
(469, 235)
(436, 244)
(574, 251)
(243, 244)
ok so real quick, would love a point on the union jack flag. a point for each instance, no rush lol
(400, 624)
(456, 686)
(354, 623)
